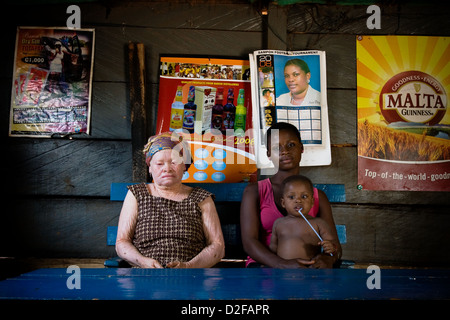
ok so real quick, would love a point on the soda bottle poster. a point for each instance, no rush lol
(51, 88)
(403, 120)
(207, 102)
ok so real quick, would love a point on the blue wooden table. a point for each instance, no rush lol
(227, 284)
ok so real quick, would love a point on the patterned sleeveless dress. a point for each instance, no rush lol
(168, 230)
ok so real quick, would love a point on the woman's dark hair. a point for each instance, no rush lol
(299, 63)
(282, 126)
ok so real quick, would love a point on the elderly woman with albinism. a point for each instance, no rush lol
(166, 223)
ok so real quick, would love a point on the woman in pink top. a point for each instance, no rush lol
(261, 205)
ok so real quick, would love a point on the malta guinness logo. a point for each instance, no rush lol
(413, 96)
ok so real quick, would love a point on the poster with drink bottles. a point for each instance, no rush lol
(207, 101)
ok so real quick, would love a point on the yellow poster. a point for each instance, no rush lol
(403, 120)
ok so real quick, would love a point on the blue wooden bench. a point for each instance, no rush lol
(228, 198)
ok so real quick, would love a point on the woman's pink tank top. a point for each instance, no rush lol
(270, 212)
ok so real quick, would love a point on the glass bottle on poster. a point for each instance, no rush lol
(241, 114)
(229, 111)
(190, 108)
(217, 111)
(177, 112)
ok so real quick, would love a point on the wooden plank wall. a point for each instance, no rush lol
(57, 205)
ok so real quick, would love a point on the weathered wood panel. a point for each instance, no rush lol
(168, 41)
(400, 234)
(342, 116)
(5, 96)
(217, 29)
(55, 167)
(62, 227)
(399, 18)
(217, 15)
(110, 115)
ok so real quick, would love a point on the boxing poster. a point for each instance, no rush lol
(52, 82)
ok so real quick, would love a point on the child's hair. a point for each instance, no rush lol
(297, 178)
(282, 126)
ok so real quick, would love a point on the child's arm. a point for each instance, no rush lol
(329, 243)
(274, 239)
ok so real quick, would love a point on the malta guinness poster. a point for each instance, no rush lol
(403, 119)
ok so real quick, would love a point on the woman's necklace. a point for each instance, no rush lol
(296, 102)
(171, 195)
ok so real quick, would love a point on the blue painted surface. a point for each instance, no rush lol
(334, 192)
(111, 235)
(223, 192)
(342, 233)
(232, 191)
(119, 191)
(228, 284)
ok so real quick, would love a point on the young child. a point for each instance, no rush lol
(292, 237)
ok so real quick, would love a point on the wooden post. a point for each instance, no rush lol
(138, 103)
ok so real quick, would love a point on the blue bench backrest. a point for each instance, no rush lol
(232, 191)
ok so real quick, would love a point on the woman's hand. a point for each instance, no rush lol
(149, 263)
(177, 264)
(295, 264)
(323, 261)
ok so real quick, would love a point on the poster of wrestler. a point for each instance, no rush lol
(52, 82)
